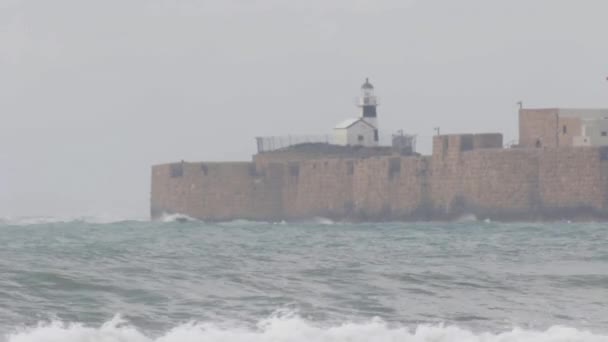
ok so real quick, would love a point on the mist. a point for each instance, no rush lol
(92, 93)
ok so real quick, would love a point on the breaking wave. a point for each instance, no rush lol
(323, 221)
(467, 218)
(176, 218)
(291, 329)
(41, 220)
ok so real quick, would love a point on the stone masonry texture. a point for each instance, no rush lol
(466, 174)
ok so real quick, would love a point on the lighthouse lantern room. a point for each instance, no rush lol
(368, 102)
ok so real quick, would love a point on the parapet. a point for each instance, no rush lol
(450, 144)
(487, 140)
(309, 151)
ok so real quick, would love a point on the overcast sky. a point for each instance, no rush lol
(92, 92)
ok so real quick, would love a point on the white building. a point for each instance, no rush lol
(593, 126)
(361, 131)
(558, 127)
(355, 132)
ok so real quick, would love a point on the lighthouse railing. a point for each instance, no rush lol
(399, 141)
(366, 101)
(277, 143)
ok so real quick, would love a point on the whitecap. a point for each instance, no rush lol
(42, 220)
(323, 221)
(293, 329)
(467, 218)
(176, 218)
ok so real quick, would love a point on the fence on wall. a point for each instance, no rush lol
(398, 140)
(277, 143)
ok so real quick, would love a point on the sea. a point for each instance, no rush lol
(178, 280)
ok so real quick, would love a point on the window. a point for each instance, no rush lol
(375, 135)
(565, 130)
(350, 168)
(360, 138)
(466, 143)
(294, 169)
(177, 170)
(604, 133)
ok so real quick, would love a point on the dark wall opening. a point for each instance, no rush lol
(177, 170)
(369, 111)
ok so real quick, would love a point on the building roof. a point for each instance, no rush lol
(350, 122)
(581, 113)
(584, 113)
(367, 85)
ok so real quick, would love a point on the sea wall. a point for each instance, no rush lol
(217, 191)
(466, 174)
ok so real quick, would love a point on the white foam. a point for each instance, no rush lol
(467, 218)
(41, 220)
(176, 218)
(243, 223)
(292, 329)
(323, 221)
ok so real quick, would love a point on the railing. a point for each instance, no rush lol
(268, 144)
(399, 141)
(370, 101)
(511, 144)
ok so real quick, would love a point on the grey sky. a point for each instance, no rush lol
(94, 92)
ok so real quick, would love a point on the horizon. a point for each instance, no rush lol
(97, 93)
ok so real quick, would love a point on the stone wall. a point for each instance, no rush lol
(492, 183)
(547, 127)
(568, 128)
(217, 191)
(538, 125)
(467, 174)
(310, 151)
(570, 179)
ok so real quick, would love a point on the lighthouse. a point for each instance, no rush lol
(368, 102)
(363, 130)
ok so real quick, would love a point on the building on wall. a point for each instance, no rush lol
(361, 131)
(560, 127)
(349, 135)
(355, 132)
(466, 174)
(594, 132)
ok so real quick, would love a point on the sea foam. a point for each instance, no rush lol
(291, 329)
(176, 218)
(45, 220)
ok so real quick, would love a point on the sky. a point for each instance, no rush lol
(92, 93)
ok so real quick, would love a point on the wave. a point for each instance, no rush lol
(41, 220)
(467, 218)
(291, 329)
(176, 218)
(323, 221)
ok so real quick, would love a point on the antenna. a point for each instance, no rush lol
(520, 104)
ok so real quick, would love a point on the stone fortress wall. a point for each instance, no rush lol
(466, 174)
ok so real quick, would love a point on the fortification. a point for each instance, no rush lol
(466, 174)
(558, 170)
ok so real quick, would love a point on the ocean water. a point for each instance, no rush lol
(86, 280)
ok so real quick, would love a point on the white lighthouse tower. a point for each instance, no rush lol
(368, 102)
(363, 130)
